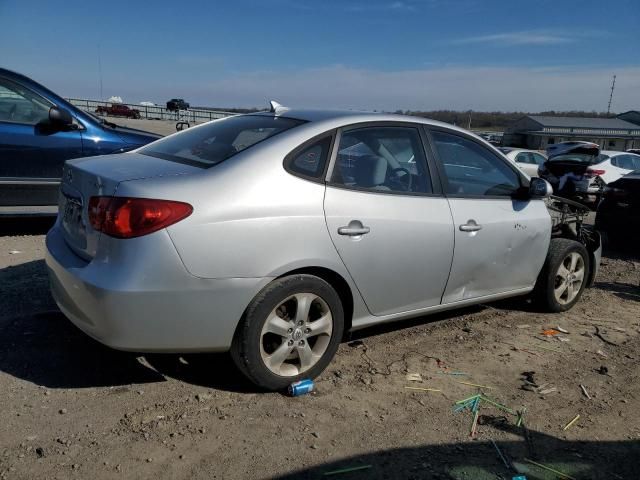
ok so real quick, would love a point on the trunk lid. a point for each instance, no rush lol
(84, 178)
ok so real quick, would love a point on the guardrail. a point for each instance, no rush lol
(193, 115)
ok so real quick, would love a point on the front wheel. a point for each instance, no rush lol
(563, 276)
(290, 331)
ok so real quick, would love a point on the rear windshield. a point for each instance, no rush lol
(580, 158)
(214, 142)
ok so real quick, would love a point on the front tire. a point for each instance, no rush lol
(563, 276)
(290, 331)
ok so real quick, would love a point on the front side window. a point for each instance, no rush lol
(382, 159)
(214, 142)
(20, 105)
(471, 169)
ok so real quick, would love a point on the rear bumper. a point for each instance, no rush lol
(145, 300)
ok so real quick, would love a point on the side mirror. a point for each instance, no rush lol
(540, 188)
(59, 117)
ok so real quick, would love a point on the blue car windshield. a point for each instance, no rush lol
(209, 144)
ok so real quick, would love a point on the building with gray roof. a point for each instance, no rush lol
(538, 131)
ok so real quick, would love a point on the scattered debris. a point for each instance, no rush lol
(603, 370)
(414, 377)
(602, 354)
(453, 373)
(545, 391)
(423, 389)
(544, 467)
(14, 252)
(301, 387)
(584, 390)
(599, 335)
(563, 339)
(524, 325)
(528, 376)
(550, 332)
(347, 470)
(473, 404)
(575, 419)
(356, 343)
(504, 460)
(40, 452)
(562, 330)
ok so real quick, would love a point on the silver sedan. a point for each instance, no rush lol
(272, 234)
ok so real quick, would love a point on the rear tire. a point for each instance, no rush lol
(290, 331)
(563, 277)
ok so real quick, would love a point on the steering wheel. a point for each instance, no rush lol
(404, 181)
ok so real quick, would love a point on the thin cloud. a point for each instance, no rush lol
(387, 6)
(519, 38)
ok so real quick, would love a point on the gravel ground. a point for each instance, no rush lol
(75, 409)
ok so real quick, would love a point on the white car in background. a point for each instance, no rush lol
(527, 160)
(582, 170)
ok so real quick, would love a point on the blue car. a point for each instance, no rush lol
(39, 131)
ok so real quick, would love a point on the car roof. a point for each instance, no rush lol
(345, 117)
(613, 153)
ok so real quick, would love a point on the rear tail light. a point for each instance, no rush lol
(124, 217)
(591, 172)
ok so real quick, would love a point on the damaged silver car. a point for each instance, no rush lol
(270, 235)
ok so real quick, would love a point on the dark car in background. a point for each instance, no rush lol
(39, 131)
(118, 110)
(176, 104)
(619, 211)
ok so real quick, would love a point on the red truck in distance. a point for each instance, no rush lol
(117, 110)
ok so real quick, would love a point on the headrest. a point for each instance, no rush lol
(369, 170)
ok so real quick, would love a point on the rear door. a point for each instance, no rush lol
(387, 217)
(500, 242)
(31, 153)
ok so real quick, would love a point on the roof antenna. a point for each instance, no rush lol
(277, 108)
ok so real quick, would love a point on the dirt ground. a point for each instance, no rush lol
(74, 409)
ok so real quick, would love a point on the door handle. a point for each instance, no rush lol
(470, 226)
(354, 229)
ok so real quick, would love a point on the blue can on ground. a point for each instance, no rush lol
(301, 387)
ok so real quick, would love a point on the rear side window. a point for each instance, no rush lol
(310, 160)
(525, 157)
(471, 169)
(214, 142)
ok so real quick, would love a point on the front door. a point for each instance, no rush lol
(391, 227)
(500, 242)
(31, 152)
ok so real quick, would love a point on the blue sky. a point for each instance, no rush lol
(377, 54)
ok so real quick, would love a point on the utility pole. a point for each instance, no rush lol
(613, 85)
(100, 72)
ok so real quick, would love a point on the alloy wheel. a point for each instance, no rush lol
(569, 278)
(296, 334)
